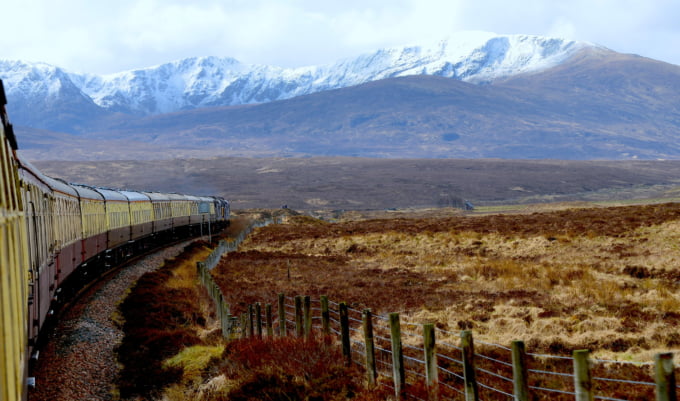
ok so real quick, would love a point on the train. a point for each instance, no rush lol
(56, 237)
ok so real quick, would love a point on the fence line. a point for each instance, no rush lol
(484, 371)
(228, 323)
(446, 371)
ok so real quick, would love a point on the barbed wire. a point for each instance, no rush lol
(493, 360)
(623, 362)
(550, 373)
(454, 374)
(495, 389)
(355, 319)
(410, 358)
(407, 346)
(452, 388)
(599, 397)
(494, 374)
(493, 345)
(606, 379)
(450, 359)
(358, 350)
(552, 390)
(450, 345)
(550, 356)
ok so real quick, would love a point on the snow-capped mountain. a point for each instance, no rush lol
(476, 57)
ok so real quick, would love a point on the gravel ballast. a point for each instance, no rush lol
(78, 361)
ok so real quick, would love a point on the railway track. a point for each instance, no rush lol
(55, 236)
(79, 360)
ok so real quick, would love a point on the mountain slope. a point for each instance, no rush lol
(482, 95)
(478, 57)
(44, 96)
(597, 105)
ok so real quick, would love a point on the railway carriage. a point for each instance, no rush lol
(141, 214)
(181, 210)
(67, 227)
(54, 236)
(35, 198)
(14, 274)
(93, 222)
(194, 216)
(162, 211)
(117, 217)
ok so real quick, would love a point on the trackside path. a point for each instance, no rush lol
(78, 362)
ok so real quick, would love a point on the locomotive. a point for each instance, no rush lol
(55, 237)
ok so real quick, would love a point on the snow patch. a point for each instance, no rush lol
(476, 57)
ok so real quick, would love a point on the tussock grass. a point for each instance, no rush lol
(161, 316)
(599, 278)
(193, 361)
(292, 369)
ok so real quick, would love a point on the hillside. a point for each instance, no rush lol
(601, 279)
(598, 105)
(213, 81)
(500, 98)
(333, 183)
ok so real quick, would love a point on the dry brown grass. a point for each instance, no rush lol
(164, 313)
(173, 348)
(604, 278)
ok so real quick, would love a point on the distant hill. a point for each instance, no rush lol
(333, 183)
(212, 81)
(508, 97)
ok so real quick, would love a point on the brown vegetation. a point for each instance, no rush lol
(604, 279)
(601, 278)
(342, 183)
(291, 369)
(161, 317)
(173, 348)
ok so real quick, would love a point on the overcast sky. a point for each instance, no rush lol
(106, 36)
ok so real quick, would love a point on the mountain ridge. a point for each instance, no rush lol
(478, 57)
(554, 114)
(560, 100)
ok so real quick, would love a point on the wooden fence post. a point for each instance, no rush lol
(307, 307)
(233, 321)
(325, 316)
(226, 327)
(282, 315)
(199, 270)
(269, 319)
(258, 319)
(244, 325)
(397, 355)
(251, 323)
(225, 318)
(665, 377)
(344, 334)
(583, 384)
(466, 342)
(431, 368)
(519, 371)
(298, 316)
(371, 370)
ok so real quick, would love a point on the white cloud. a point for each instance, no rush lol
(108, 36)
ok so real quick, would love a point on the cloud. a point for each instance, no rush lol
(105, 37)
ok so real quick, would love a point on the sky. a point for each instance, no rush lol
(106, 36)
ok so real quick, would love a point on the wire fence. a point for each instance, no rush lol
(406, 358)
(481, 370)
